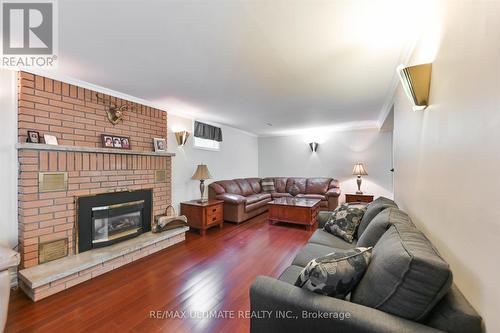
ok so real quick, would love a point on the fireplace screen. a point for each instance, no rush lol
(110, 223)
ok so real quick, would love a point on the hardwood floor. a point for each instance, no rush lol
(210, 273)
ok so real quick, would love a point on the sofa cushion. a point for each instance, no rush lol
(280, 195)
(290, 274)
(245, 187)
(230, 186)
(372, 210)
(335, 274)
(406, 277)
(311, 251)
(454, 314)
(324, 238)
(255, 184)
(344, 222)
(256, 205)
(317, 185)
(217, 188)
(379, 225)
(312, 196)
(267, 185)
(300, 182)
(257, 197)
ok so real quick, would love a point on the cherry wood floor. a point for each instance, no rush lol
(210, 273)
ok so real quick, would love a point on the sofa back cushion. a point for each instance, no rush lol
(372, 210)
(255, 184)
(280, 184)
(300, 182)
(317, 185)
(406, 277)
(216, 188)
(230, 186)
(245, 187)
(379, 225)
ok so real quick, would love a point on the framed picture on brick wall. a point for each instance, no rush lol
(113, 141)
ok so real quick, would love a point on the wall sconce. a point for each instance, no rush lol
(181, 137)
(416, 82)
(313, 146)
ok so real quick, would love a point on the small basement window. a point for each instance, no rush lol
(206, 136)
(206, 144)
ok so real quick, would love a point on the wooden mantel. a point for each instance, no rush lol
(40, 146)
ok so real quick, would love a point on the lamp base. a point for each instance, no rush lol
(359, 192)
(202, 191)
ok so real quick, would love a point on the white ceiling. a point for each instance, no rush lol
(293, 64)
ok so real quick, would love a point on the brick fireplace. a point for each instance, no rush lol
(77, 117)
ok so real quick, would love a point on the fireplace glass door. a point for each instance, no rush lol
(116, 222)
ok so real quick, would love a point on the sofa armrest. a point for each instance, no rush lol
(322, 217)
(232, 198)
(333, 192)
(286, 308)
(8, 259)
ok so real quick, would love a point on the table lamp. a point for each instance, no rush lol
(202, 174)
(359, 170)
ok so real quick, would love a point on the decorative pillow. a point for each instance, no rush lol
(267, 185)
(335, 274)
(344, 222)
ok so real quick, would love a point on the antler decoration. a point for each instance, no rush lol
(115, 113)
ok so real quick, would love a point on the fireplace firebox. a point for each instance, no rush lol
(106, 219)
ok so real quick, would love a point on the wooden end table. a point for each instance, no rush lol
(294, 210)
(358, 198)
(203, 215)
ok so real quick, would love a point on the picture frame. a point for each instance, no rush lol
(160, 144)
(115, 142)
(33, 137)
(50, 140)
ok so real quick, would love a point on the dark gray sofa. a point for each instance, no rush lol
(406, 288)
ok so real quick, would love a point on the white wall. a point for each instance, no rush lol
(447, 157)
(237, 158)
(8, 158)
(289, 156)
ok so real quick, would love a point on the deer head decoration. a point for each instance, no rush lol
(115, 113)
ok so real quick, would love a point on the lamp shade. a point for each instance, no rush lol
(201, 173)
(359, 170)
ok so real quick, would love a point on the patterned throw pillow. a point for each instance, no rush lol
(335, 274)
(344, 222)
(267, 185)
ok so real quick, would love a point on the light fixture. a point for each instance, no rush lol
(416, 81)
(181, 137)
(202, 174)
(313, 146)
(359, 170)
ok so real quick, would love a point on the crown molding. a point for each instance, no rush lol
(391, 92)
(340, 127)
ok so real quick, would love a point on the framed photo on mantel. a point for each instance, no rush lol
(113, 141)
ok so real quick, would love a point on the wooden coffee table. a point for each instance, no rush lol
(294, 210)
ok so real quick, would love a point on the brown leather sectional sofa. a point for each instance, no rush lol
(244, 198)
